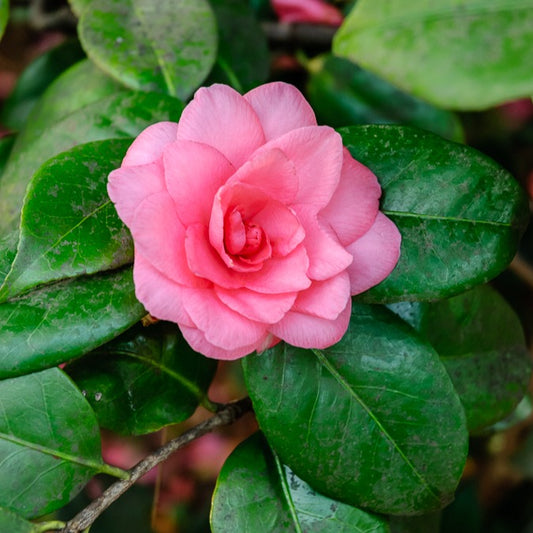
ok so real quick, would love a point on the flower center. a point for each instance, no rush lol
(254, 238)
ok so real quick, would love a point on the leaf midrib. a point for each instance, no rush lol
(93, 465)
(342, 382)
(459, 220)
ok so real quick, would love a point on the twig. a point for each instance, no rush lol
(523, 270)
(317, 35)
(228, 414)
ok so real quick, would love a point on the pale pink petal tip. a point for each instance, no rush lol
(375, 255)
(149, 145)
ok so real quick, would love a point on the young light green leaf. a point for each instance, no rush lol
(14, 523)
(243, 59)
(122, 115)
(35, 79)
(49, 442)
(460, 214)
(481, 343)
(343, 94)
(59, 322)
(168, 46)
(470, 54)
(373, 421)
(4, 15)
(69, 227)
(275, 499)
(119, 379)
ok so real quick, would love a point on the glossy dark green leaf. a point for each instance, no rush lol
(169, 46)
(69, 226)
(54, 324)
(49, 442)
(243, 59)
(119, 115)
(481, 343)
(373, 421)
(144, 380)
(6, 144)
(343, 94)
(14, 523)
(460, 214)
(4, 15)
(468, 54)
(255, 492)
(76, 88)
(8, 250)
(35, 79)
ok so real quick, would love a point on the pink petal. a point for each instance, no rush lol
(327, 257)
(159, 236)
(281, 108)
(272, 172)
(307, 331)
(375, 254)
(354, 205)
(280, 275)
(221, 326)
(266, 308)
(220, 117)
(129, 186)
(316, 153)
(277, 275)
(314, 11)
(161, 296)
(204, 261)
(325, 299)
(282, 227)
(198, 342)
(150, 143)
(194, 172)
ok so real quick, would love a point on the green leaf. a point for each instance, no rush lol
(49, 442)
(6, 144)
(4, 15)
(78, 6)
(13, 523)
(80, 85)
(243, 59)
(481, 343)
(169, 46)
(460, 214)
(69, 226)
(118, 115)
(343, 94)
(58, 322)
(468, 54)
(119, 379)
(373, 421)
(35, 79)
(275, 499)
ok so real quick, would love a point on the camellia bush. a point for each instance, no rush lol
(290, 187)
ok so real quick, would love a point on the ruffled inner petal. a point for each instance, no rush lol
(193, 173)
(220, 117)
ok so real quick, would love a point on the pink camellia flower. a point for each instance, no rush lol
(314, 11)
(251, 224)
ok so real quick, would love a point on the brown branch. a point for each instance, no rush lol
(228, 414)
(318, 35)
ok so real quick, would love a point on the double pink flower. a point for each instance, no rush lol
(251, 223)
